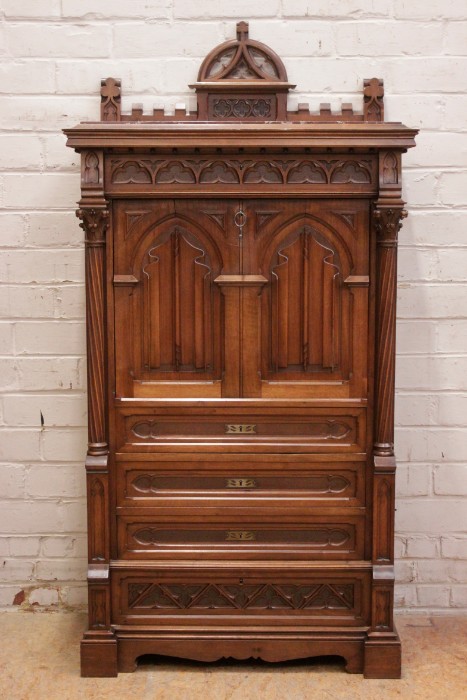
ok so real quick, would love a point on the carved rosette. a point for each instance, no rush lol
(387, 223)
(94, 222)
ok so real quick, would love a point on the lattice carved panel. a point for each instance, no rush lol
(210, 596)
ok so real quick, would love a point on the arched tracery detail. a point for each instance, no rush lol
(242, 59)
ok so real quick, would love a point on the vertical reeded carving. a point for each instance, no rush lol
(178, 305)
(387, 222)
(110, 100)
(305, 275)
(373, 100)
(94, 222)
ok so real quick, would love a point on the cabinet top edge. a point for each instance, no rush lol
(209, 134)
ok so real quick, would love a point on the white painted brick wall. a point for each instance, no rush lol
(53, 54)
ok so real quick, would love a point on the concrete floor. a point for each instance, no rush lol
(39, 658)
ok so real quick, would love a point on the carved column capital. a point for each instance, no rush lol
(94, 222)
(388, 222)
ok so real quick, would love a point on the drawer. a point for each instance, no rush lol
(233, 596)
(221, 429)
(273, 536)
(251, 481)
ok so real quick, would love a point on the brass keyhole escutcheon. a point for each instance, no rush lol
(240, 536)
(241, 483)
(236, 428)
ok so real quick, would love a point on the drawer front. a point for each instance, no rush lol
(315, 537)
(220, 429)
(183, 483)
(243, 597)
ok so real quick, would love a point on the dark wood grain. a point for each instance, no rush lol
(241, 272)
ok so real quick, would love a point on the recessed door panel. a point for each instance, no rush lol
(168, 254)
(252, 298)
(314, 306)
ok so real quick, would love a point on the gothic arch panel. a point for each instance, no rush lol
(306, 325)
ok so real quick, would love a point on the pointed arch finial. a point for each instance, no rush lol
(242, 31)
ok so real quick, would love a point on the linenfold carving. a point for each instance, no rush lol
(177, 284)
(313, 288)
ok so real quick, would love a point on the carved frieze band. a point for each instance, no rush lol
(212, 596)
(241, 171)
(387, 222)
(94, 222)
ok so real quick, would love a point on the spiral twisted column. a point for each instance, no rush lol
(94, 222)
(387, 222)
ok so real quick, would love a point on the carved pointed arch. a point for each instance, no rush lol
(328, 233)
(177, 265)
(242, 80)
(305, 328)
(242, 59)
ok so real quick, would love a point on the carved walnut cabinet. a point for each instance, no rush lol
(241, 281)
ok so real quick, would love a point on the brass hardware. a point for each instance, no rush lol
(240, 428)
(240, 535)
(240, 219)
(241, 483)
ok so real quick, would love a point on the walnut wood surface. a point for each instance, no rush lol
(241, 266)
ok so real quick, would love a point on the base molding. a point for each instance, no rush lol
(105, 654)
(213, 649)
(382, 656)
(99, 655)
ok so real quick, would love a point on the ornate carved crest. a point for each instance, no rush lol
(243, 80)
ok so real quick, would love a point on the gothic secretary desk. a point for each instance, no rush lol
(241, 288)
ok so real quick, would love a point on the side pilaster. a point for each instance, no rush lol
(382, 649)
(98, 647)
